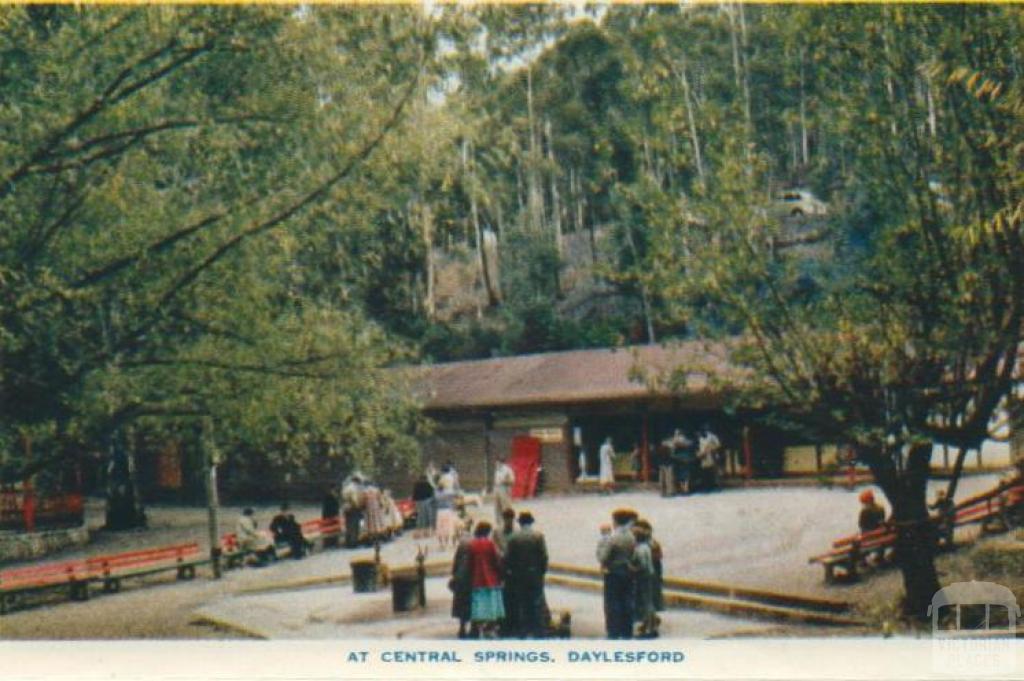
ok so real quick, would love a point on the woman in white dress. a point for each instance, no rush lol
(606, 471)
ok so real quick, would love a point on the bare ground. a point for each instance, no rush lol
(752, 537)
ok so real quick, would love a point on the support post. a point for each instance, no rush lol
(748, 454)
(645, 449)
(212, 500)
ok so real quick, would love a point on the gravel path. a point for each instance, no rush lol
(753, 537)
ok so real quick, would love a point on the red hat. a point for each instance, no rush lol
(867, 496)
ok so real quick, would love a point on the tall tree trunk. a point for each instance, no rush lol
(478, 237)
(804, 142)
(645, 303)
(556, 203)
(123, 510)
(738, 60)
(426, 220)
(534, 197)
(691, 119)
(916, 538)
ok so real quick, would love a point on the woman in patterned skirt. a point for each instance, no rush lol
(488, 607)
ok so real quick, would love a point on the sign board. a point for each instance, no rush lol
(548, 435)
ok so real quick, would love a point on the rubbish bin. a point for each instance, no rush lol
(406, 591)
(364, 576)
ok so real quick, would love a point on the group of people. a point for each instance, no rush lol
(285, 532)
(688, 463)
(370, 512)
(438, 495)
(631, 564)
(497, 580)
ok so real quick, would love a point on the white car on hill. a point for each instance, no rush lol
(798, 203)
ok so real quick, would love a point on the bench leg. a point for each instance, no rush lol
(80, 591)
(8, 602)
(187, 572)
(830, 573)
(111, 585)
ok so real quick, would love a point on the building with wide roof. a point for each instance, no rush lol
(562, 406)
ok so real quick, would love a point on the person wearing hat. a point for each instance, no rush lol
(872, 515)
(616, 554)
(643, 558)
(526, 563)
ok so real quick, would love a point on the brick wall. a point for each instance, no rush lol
(463, 443)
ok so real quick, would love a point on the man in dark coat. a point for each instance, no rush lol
(526, 563)
(461, 586)
(615, 552)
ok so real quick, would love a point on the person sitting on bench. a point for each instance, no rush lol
(945, 514)
(288, 532)
(872, 516)
(250, 540)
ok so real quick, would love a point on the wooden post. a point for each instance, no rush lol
(645, 450)
(28, 507)
(748, 454)
(212, 500)
(817, 456)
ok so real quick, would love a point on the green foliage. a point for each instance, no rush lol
(164, 170)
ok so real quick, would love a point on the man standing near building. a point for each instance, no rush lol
(526, 563)
(504, 479)
(606, 466)
(616, 556)
(708, 449)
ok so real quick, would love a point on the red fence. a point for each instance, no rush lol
(24, 510)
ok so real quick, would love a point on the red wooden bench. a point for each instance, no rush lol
(15, 584)
(996, 509)
(849, 553)
(111, 569)
(77, 575)
(322, 529)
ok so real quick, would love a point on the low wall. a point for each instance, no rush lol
(26, 545)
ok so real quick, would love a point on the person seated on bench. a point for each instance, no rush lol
(945, 515)
(278, 524)
(250, 540)
(872, 515)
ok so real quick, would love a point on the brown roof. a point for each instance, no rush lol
(693, 372)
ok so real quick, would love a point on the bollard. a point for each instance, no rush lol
(364, 576)
(406, 591)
